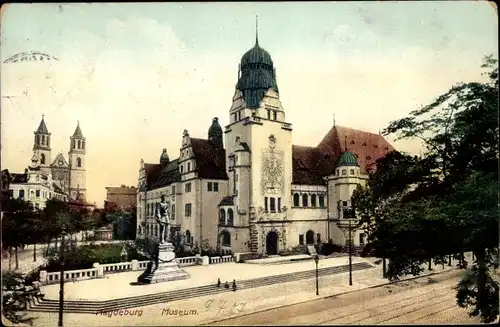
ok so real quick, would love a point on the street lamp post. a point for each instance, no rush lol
(61, 280)
(350, 254)
(316, 259)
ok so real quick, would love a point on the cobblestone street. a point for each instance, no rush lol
(428, 300)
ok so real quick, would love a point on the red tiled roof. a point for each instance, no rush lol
(311, 164)
(210, 159)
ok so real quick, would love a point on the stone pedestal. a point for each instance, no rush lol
(164, 268)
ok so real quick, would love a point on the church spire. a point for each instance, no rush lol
(257, 30)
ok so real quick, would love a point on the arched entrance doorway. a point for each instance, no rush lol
(310, 237)
(272, 243)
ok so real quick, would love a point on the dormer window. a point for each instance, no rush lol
(368, 158)
(352, 142)
(364, 144)
(344, 172)
(375, 146)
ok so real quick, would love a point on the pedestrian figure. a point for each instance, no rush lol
(234, 285)
(226, 285)
(218, 282)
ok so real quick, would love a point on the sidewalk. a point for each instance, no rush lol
(115, 286)
(213, 308)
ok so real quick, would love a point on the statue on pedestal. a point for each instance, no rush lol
(162, 216)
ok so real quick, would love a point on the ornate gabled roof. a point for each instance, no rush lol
(78, 132)
(210, 159)
(42, 128)
(60, 157)
(164, 176)
(311, 164)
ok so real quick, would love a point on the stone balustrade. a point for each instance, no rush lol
(223, 259)
(99, 270)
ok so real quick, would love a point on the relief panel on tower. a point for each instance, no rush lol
(272, 177)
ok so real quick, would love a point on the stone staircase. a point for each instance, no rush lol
(96, 307)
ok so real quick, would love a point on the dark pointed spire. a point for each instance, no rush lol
(333, 119)
(42, 128)
(78, 132)
(257, 30)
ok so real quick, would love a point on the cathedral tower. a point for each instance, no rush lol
(77, 165)
(41, 147)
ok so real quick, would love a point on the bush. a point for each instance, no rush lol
(83, 257)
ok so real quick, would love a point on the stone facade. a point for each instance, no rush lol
(271, 195)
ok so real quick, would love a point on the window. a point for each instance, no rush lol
(239, 115)
(272, 204)
(187, 187)
(279, 204)
(344, 172)
(304, 200)
(352, 172)
(188, 237)
(216, 187)
(318, 238)
(42, 159)
(226, 238)
(313, 200)
(234, 117)
(368, 158)
(147, 210)
(156, 230)
(222, 217)
(344, 203)
(189, 167)
(296, 200)
(187, 210)
(322, 201)
(209, 186)
(265, 205)
(78, 162)
(269, 114)
(337, 172)
(275, 115)
(83, 145)
(230, 217)
(182, 169)
(73, 144)
(37, 193)
(301, 239)
(173, 189)
(172, 212)
(37, 139)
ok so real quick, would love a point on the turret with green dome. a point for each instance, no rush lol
(347, 159)
(215, 133)
(257, 75)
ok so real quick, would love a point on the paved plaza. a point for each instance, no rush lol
(243, 304)
(118, 285)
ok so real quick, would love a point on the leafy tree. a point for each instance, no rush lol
(15, 295)
(446, 201)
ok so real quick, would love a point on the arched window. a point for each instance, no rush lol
(310, 237)
(42, 159)
(37, 139)
(188, 237)
(222, 217)
(79, 144)
(78, 162)
(313, 200)
(230, 217)
(322, 201)
(225, 238)
(304, 200)
(72, 144)
(43, 139)
(189, 167)
(83, 145)
(296, 200)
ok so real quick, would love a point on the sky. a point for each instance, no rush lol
(136, 75)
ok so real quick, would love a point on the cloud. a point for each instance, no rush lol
(137, 86)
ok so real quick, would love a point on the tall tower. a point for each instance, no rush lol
(41, 147)
(77, 165)
(258, 143)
